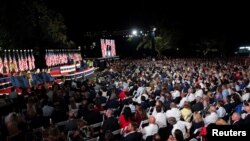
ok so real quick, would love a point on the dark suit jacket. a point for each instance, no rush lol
(110, 124)
(112, 103)
(240, 122)
(136, 136)
(71, 125)
(93, 117)
(246, 121)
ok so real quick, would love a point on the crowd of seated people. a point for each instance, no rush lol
(133, 100)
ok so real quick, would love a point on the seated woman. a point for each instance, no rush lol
(140, 114)
(125, 118)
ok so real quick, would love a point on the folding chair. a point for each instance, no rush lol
(94, 139)
(143, 124)
(96, 127)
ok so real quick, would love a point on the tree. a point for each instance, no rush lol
(31, 23)
(5, 38)
(161, 42)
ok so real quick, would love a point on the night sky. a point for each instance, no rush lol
(191, 19)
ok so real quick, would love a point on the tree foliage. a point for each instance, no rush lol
(27, 23)
(162, 41)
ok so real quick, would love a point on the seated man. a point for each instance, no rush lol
(132, 134)
(183, 126)
(151, 129)
(111, 123)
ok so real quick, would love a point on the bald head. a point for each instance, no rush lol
(151, 120)
(172, 120)
(236, 116)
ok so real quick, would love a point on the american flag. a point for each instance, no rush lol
(32, 60)
(15, 63)
(11, 67)
(10, 64)
(56, 57)
(113, 51)
(20, 62)
(5, 64)
(1, 65)
(53, 63)
(24, 61)
(65, 60)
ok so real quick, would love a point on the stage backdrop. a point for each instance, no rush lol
(108, 48)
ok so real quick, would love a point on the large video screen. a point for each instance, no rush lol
(108, 48)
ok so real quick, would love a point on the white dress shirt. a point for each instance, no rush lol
(176, 94)
(139, 91)
(211, 118)
(221, 112)
(132, 108)
(154, 111)
(174, 112)
(245, 97)
(190, 97)
(149, 130)
(161, 119)
(183, 100)
(199, 93)
(182, 125)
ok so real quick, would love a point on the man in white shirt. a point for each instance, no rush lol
(160, 118)
(176, 93)
(183, 100)
(139, 90)
(47, 110)
(199, 91)
(131, 106)
(246, 94)
(173, 112)
(151, 129)
(183, 126)
(190, 96)
(220, 110)
(212, 117)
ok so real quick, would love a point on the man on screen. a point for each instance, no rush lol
(108, 51)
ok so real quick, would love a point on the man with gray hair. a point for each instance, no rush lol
(173, 112)
(151, 129)
(236, 119)
(212, 117)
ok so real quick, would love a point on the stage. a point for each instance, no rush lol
(56, 75)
